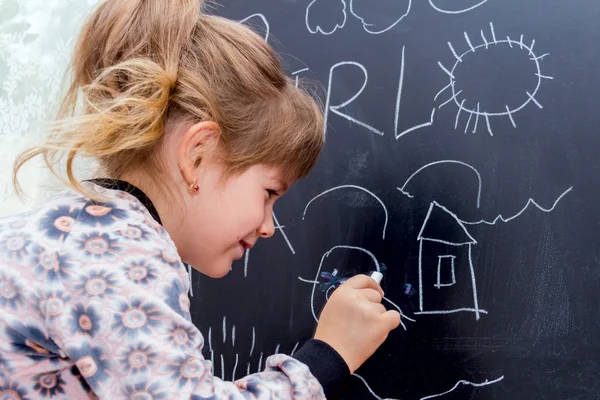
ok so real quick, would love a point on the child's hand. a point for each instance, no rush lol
(354, 322)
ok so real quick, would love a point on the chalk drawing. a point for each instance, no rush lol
(445, 10)
(370, 27)
(280, 227)
(246, 258)
(475, 109)
(316, 281)
(364, 381)
(210, 348)
(222, 368)
(190, 269)
(398, 102)
(406, 193)
(461, 382)
(235, 366)
(530, 202)
(351, 187)
(277, 226)
(263, 19)
(253, 341)
(316, 28)
(336, 109)
(463, 245)
(296, 75)
(441, 263)
(399, 93)
(294, 349)
(506, 111)
(259, 369)
(231, 365)
(465, 383)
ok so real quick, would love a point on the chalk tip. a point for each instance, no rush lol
(377, 276)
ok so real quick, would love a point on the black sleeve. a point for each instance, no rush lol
(324, 363)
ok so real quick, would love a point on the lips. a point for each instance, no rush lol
(245, 244)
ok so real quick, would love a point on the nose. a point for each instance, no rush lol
(267, 228)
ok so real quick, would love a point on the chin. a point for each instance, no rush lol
(218, 273)
(215, 272)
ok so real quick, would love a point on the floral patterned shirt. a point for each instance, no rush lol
(94, 304)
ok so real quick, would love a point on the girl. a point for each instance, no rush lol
(197, 132)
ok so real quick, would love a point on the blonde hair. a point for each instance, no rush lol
(139, 64)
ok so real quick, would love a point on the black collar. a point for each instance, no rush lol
(116, 184)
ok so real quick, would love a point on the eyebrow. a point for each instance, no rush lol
(284, 186)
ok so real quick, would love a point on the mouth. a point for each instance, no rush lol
(245, 244)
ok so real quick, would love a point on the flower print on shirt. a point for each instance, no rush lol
(170, 258)
(91, 361)
(50, 265)
(58, 222)
(136, 233)
(135, 316)
(18, 223)
(95, 246)
(176, 296)
(10, 390)
(140, 271)
(49, 385)
(138, 359)
(13, 247)
(98, 283)
(31, 342)
(11, 291)
(151, 222)
(84, 320)
(185, 369)
(145, 391)
(52, 302)
(98, 215)
(182, 336)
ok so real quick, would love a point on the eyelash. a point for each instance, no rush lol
(272, 193)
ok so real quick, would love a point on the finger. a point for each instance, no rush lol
(379, 308)
(362, 281)
(391, 319)
(372, 295)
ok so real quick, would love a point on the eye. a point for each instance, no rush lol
(272, 193)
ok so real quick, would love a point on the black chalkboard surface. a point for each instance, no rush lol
(462, 159)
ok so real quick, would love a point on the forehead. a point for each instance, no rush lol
(272, 173)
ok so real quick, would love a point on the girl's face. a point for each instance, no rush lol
(226, 217)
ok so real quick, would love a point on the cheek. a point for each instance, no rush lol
(244, 218)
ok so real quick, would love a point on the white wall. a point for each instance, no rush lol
(36, 40)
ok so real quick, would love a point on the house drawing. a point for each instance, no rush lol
(446, 271)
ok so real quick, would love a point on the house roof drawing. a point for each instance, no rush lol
(453, 231)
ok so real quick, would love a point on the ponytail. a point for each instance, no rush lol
(139, 64)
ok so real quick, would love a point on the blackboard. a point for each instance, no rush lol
(462, 154)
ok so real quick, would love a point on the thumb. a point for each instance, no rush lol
(391, 319)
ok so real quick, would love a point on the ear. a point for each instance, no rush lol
(195, 144)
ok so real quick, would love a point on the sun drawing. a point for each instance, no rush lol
(477, 112)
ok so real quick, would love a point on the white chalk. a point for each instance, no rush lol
(377, 276)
